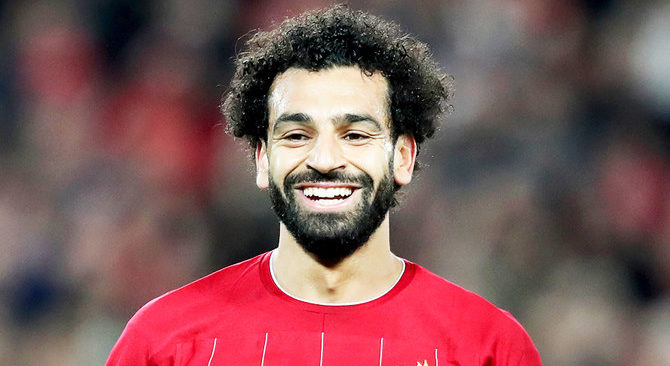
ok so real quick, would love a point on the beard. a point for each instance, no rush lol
(333, 236)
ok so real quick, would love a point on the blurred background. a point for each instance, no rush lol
(547, 190)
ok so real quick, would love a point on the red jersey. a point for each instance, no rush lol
(239, 316)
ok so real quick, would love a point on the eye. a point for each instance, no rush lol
(295, 136)
(355, 136)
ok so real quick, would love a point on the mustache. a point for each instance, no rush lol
(315, 176)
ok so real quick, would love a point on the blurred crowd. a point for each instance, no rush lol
(547, 190)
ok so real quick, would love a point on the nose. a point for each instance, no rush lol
(326, 155)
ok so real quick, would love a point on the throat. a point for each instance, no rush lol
(337, 286)
(333, 284)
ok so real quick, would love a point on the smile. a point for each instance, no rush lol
(318, 193)
(327, 196)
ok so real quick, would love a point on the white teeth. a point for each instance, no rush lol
(321, 192)
(329, 202)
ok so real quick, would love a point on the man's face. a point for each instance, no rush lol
(329, 157)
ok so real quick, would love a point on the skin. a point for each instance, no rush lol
(333, 119)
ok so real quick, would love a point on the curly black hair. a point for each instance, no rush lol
(338, 36)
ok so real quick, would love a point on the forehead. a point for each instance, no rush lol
(327, 93)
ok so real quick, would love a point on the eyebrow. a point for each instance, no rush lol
(291, 117)
(339, 120)
(353, 118)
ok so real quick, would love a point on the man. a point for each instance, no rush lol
(335, 104)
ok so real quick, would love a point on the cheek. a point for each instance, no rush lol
(283, 163)
(374, 162)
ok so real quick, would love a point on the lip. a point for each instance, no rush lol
(340, 206)
(302, 186)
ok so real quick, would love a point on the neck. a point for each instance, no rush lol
(366, 274)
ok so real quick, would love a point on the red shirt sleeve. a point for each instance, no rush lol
(519, 349)
(132, 348)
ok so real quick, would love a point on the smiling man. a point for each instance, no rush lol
(330, 161)
(335, 104)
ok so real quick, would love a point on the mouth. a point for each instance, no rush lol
(328, 196)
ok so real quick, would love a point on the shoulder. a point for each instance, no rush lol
(458, 305)
(480, 324)
(215, 286)
(446, 292)
(181, 313)
(178, 308)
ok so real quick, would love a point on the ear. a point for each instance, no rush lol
(404, 155)
(262, 177)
